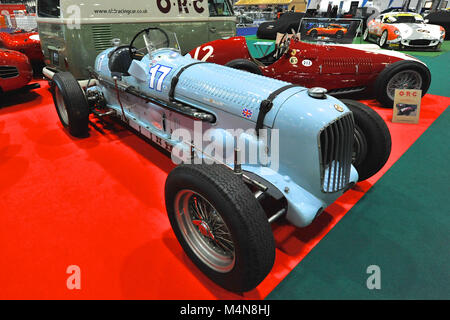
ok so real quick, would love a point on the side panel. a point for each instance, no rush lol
(222, 51)
(221, 28)
(98, 37)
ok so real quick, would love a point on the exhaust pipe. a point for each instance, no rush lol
(49, 74)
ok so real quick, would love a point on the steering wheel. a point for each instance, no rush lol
(283, 47)
(146, 35)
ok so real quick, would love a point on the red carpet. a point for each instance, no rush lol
(98, 203)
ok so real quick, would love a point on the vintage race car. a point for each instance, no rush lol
(27, 43)
(232, 134)
(333, 30)
(341, 69)
(404, 30)
(15, 71)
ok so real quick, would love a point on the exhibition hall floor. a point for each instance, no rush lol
(97, 203)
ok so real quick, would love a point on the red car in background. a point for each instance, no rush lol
(27, 43)
(15, 71)
(341, 69)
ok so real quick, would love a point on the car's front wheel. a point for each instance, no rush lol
(220, 225)
(366, 34)
(382, 41)
(372, 140)
(71, 104)
(339, 34)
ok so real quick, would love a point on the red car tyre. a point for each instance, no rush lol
(244, 64)
(406, 74)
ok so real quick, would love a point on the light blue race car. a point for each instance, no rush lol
(250, 150)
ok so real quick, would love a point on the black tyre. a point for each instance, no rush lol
(313, 33)
(405, 74)
(245, 65)
(339, 34)
(372, 141)
(71, 104)
(382, 40)
(220, 225)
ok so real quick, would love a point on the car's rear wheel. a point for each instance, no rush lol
(313, 33)
(339, 34)
(245, 65)
(372, 140)
(405, 74)
(382, 41)
(71, 104)
(220, 225)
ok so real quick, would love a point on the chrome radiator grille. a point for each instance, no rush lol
(8, 72)
(335, 149)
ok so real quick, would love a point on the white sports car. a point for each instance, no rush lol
(404, 30)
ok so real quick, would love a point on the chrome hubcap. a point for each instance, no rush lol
(205, 231)
(408, 79)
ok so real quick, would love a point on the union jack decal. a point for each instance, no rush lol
(247, 113)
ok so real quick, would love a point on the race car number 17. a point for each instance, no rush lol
(154, 73)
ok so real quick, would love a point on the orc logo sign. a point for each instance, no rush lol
(408, 93)
(184, 6)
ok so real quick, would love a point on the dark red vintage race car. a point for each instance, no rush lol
(27, 43)
(341, 69)
(15, 71)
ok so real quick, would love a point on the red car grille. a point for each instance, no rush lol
(7, 72)
(347, 65)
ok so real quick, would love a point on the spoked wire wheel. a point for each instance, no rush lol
(220, 225)
(205, 231)
(406, 79)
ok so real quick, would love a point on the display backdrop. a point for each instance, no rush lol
(98, 204)
(332, 30)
